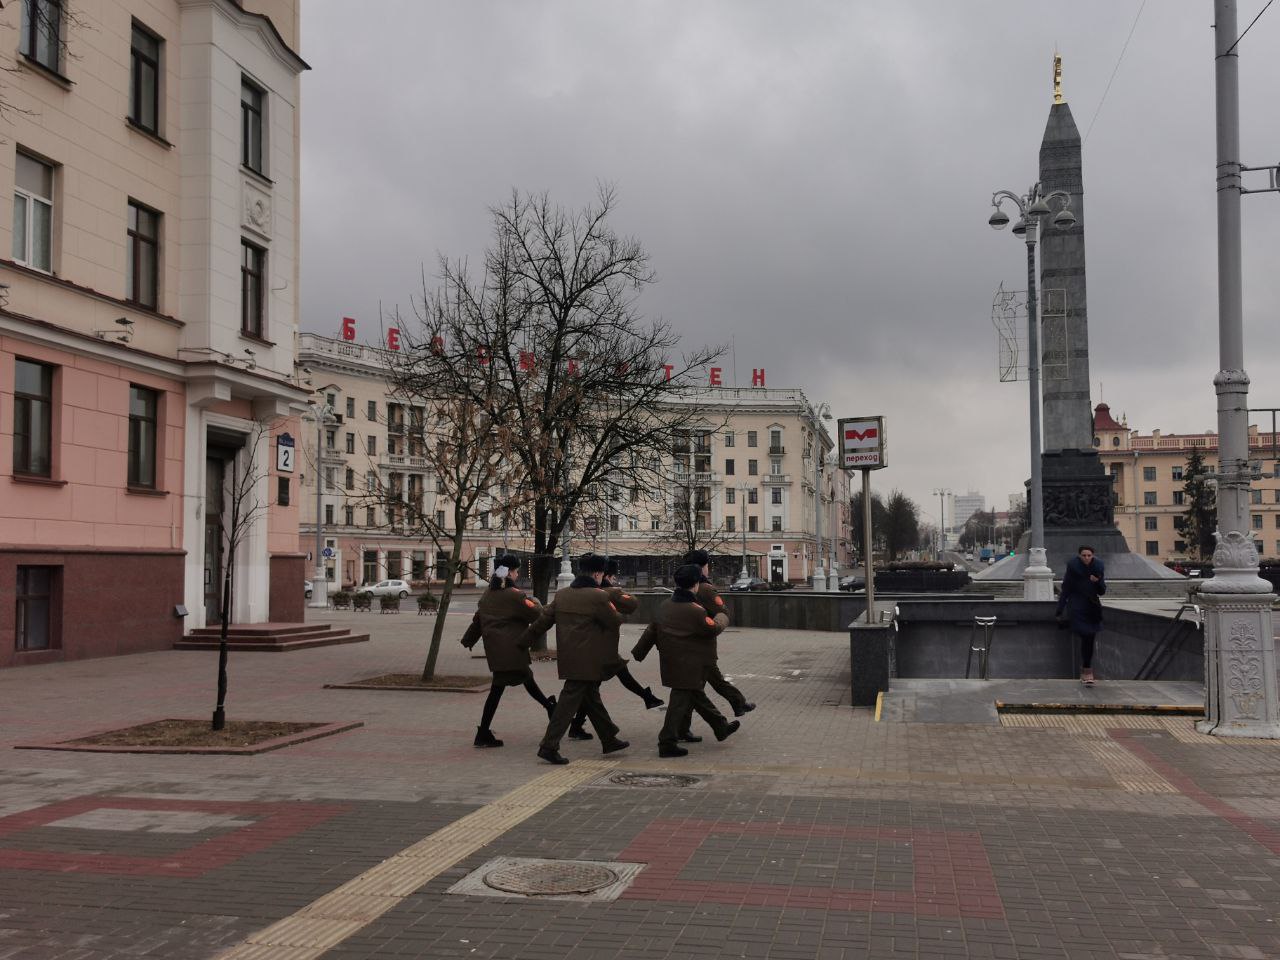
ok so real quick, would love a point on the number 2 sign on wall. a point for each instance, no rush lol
(284, 453)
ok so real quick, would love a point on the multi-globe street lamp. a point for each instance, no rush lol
(1033, 207)
(823, 411)
(942, 493)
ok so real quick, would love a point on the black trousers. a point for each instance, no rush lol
(577, 694)
(1086, 649)
(680, 708)
(723, 687)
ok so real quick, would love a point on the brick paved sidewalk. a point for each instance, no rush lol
(813, 833)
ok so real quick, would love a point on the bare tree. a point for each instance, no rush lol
(548, 339)
(243, 509)
(687, 523)
(44, 27)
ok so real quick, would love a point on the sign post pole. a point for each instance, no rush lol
(866, 544)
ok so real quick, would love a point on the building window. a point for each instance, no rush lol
(141, 273)
(777, 496)
(369, 520)
(655, 523)
(371, 412)
(370, 483)
(251, 103)
(1255, 496)
(33, 418)
(144, 80)
(142, 437)
(253, 268)
(330, 438)
(35, 608)
(730, 496)
(351, 443)
(777, 525)
(751, 438)
(440, 519)
(775, 442)
(753, 496)
(1179, 498)
(1148, 473)
(728, 468)
(615, 522)
(1179, 546)
(753, 468)
(730, 524)
(372, 447)
(728, 438)
(282, 491)
(1151, 523)
(1278, 496)
(1153, 548)
(775, 467)
(349, 515)
(753, 524)
(350, 479)
(328, 514)
(1257, 521)
(33, 213)
(1149, 498)
(1177, 473)
(351, 408)
(329, 484)
(41, 38)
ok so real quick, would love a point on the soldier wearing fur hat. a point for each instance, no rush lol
(625, 605)
(502, 616)
(587, 625)
(710, 601)
(685, 635)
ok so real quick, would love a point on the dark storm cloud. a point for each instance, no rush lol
(812, 180)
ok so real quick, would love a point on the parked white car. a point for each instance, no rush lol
(386, 588)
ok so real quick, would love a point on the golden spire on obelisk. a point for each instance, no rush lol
(1057, 78)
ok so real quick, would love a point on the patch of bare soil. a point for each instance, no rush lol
(196, 733)
(414, 681)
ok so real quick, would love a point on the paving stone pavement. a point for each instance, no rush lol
(815, 832)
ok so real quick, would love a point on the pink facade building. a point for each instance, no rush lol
(148, 321)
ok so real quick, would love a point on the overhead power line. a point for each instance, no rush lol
(1119, 60)
(1249, 27)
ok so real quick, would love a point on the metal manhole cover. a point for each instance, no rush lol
(549, 879)
(653, 780)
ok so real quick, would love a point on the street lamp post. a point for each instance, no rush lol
(942, 493)
(833, 521)
(742, 496)
(1240, 659)
(1033, 207)
(823, 411)
(320, 579)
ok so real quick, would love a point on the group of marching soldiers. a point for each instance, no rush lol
(588, 617)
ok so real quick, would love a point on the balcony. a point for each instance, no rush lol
(396, 427)
(705, 477)
(775, 480)
(776, 450)
(420, 462)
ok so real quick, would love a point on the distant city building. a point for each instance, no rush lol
(747, 478)
(147, 319)
(965, 506)
(1147, 471)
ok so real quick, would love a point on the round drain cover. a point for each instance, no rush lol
(653, 780)
(534, 879)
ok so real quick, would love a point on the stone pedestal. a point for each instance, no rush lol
(1037, 579)
(870, 651)
(1240, 666)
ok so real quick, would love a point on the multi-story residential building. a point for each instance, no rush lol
(148, 313)
(1149, 484)
(744, 476)
(964, 506)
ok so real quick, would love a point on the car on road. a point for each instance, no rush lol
(386, 588)
(969, 555)
(749, 583)
(852, 583)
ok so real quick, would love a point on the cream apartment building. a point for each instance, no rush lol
(745, 468)
(1148, 475)
(148, 317)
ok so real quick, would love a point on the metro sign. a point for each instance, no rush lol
(862, 443)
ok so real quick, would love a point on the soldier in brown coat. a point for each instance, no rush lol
(686, 637)
(625, 604)
(502, 616)
(586, 648)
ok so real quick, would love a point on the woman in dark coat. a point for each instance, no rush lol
(503, 613)
(1080, 604)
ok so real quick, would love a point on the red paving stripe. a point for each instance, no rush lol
(1262, 833)
(275, 822)
(952, 875)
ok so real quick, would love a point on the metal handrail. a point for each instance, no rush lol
(1163, 652)
(983, 649)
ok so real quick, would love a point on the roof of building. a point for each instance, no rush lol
(1102, 419)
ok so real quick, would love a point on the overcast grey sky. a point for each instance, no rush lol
(812, 179)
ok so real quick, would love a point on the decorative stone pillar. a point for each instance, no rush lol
(1037, 580)
(1239, 645)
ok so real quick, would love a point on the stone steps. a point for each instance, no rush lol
(272, 637)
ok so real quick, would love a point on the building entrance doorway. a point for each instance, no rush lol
(215, 472)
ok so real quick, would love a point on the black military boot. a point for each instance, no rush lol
(728, 730)
(551, 755)
(485, 738)
(740, 708)
(650, 701)
(578, 732)
(614, 745)
(671, 750)
(689, 737)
